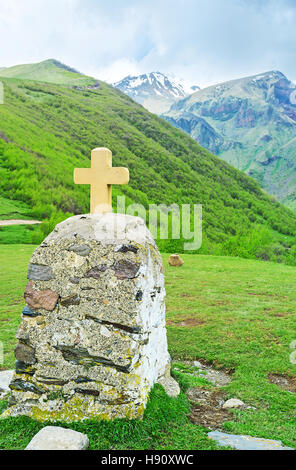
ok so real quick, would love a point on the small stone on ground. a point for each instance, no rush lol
(175, 260)
(57, 438)
(234, 403)
(170, 385)
(246, 442)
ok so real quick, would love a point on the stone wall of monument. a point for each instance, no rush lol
(92, 338)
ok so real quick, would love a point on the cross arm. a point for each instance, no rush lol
(118, 175)
(83, 176)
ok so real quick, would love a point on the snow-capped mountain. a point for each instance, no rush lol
(249, 122)
(155, 91)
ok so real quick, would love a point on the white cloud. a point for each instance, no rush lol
(116, 70)
(203, 42)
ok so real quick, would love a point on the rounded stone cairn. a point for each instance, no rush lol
(92, 340)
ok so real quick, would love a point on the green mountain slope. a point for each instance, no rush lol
(251, 124)
(51, 71)
(47, 130)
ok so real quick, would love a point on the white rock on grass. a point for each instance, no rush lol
(57, 438)
(170, 385)
(234, 403)
(198, 364)
(5, 379)
(246, 442)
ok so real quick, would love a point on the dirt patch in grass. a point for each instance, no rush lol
(272, 313)
(266, 294)
(206, 408)
(187, 296)
(219, 302)
(283, 381)
(187, 322)
(281, 314)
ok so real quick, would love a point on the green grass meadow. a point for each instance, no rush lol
(234, 313)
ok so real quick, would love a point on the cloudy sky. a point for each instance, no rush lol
(201, 41)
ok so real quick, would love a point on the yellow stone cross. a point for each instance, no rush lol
(101, 176)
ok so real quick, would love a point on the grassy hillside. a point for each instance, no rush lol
(235, 314)
(48, 129)
(51, 71)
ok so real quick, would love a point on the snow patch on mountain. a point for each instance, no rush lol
(156, 91)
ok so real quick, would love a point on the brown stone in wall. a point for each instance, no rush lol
(46, 299)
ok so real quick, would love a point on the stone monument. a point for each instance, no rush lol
(92, 338)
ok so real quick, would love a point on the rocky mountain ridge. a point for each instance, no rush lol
(250, 123)
(155, 91)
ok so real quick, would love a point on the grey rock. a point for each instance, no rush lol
(197, 364)
(81, 250)
(25, 353)
(23, 386)
(170, 385)
(5, 379)
(57, 438)
(81, 356)
(23, 368)
(234, 403)
(38, 272)
(30, 313)
(241, 442)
